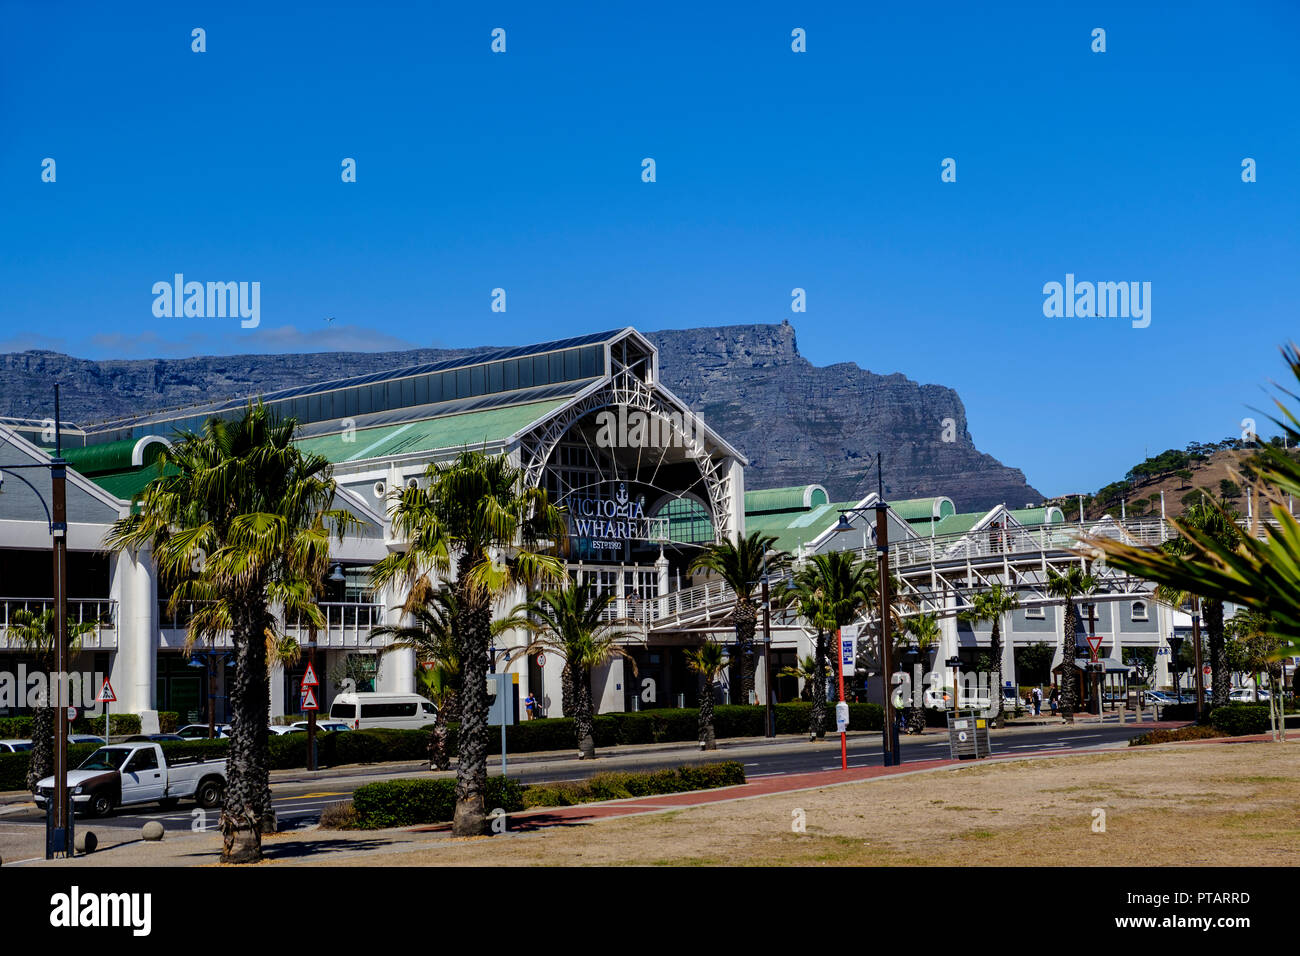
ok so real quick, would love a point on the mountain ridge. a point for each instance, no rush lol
(796, 422)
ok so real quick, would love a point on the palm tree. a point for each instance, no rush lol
(431, 636)
(991, 605)
(242, 524)
(708, 660)
(1073, 583)
(829, 592)
(805, 671)
(571, 622)
(479, 525)
(1258, 572)
(34, 633)
(741, 564)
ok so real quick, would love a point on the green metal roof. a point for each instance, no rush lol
(114, 456)
(126, 484)
(793, 529)
(952, 524)
(922, 509)
(451, 431)
(793, 498)
(1030, 516)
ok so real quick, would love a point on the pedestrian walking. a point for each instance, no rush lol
(530, 705)
(1054, 698)
(1038, 701)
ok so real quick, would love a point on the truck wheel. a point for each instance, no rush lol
(209, 794)
(101, 804)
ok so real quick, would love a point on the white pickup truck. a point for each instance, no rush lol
(126, 774)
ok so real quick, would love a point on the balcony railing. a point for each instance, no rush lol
(101, 613)
(347, 624)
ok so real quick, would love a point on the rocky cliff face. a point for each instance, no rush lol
(795, 422)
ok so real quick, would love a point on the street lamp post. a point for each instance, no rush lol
(58, 834)
(889, 735)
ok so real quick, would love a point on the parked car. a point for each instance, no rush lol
(1244, 695)
(323, 726)
(85, 739)
(200, 731)
(14, 746)
(151, 738)
(1158, 698)
(361, 711)
(126, 774)
(280, 730)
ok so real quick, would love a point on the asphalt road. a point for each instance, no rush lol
(298, 803)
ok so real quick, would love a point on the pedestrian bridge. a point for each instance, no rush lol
(932, 572)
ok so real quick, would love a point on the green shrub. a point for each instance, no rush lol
(1194, 732)
(1240, 720)
(620, 785)
(121, 725)
(401, 803)
(13, 767)
(1178, 712)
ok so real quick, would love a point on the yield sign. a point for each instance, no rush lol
(1094, 642)
(308, 699)
(309, 678)
(106, 695)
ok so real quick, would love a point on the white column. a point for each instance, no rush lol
(135, 665)
(277, 692)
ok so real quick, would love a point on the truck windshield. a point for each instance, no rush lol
(106, 758)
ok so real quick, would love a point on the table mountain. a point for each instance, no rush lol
(796, 422)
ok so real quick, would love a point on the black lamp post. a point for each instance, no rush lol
(58, 826)
(1175, 645)
(890, 755)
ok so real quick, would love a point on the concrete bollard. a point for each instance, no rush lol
(86, 841)
(152, 831)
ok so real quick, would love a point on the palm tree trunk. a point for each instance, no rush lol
(583, 723)
(1067, 665)
(817, 727)
(566, 690)
(438, 756)
(473, 626)
(1220, 678)
(248, 792)
(746, 624)
(707, 739)
(41, 764)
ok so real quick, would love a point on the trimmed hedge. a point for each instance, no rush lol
(1240, 720)
(1194, 732)
(121, 725)
(616, 785)
(403, 803)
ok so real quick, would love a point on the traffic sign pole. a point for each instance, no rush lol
(844, 736)
(106, 697)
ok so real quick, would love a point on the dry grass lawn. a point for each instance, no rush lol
(1207, 804)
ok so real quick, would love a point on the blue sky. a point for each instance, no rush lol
(775, 170)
